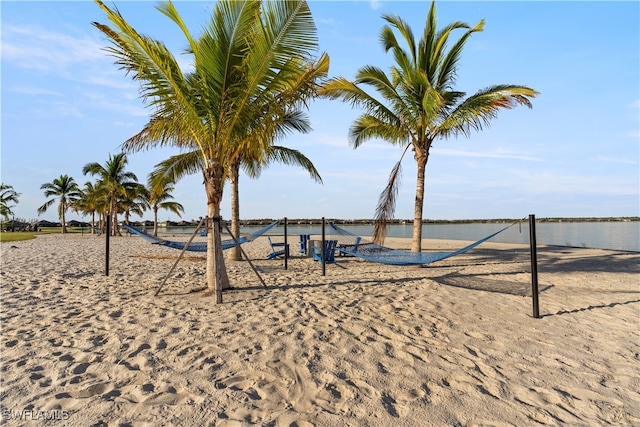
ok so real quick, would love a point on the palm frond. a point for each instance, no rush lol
(387, 202)
(175, 168)
(476, 112)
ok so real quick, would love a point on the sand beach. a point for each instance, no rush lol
(452, 344)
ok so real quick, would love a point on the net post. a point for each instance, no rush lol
(106, 249)
(322, 254)
(534, 266)
(286, 246)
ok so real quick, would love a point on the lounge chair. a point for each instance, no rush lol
(329, 251)
(277, 249)
(352, 248)
(304, 243)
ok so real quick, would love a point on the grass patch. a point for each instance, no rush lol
(18, 236)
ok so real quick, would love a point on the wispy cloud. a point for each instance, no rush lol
(621, 161)
(375, 4)
(101, 101)
(494, 154)
(37, 48)
(30, 90)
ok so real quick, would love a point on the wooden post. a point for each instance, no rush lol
(322, 254)
(534, 266)
(216, 229)
(286, 246)
(108, 233)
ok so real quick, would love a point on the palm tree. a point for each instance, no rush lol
(92, 200)
(66, 191)
(420, 104)
(183, 164)
(115, 183)
(251, 64)
(160, 197)
(7, 195)
(135, 200)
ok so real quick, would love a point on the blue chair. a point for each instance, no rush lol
(353, 248)
(277, 249)
(304, 242)
(329, 251)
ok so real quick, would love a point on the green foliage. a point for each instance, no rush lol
(415, 103)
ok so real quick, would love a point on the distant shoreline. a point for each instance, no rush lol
(318, 221)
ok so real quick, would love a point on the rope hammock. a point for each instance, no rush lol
(353, 245)
(200, 246)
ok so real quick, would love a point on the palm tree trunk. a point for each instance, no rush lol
(421, 158)
(217, 278)
(234, 253)
(63, 208)
(155, 221)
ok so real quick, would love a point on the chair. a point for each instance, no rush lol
(329, 251)
(304, 242)
(277, 249)
(353, 247)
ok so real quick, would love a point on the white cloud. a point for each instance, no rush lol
(375, 4)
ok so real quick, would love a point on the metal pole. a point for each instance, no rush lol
(323, 249)
(534, 266)
(108, 232)
(286, 246)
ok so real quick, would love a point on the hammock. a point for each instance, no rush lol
(200, 246)
(383, 255)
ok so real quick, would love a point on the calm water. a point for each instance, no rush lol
(602, 235)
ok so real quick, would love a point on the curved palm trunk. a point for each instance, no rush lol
(421, 158)
(217, 278)
(234, 253)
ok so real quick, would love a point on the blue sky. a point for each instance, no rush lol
(575, 154)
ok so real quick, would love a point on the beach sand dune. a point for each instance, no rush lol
(453, 344)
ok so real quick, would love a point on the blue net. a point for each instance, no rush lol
(199, 246)
(353, 245)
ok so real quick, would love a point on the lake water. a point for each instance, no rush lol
(618, 235)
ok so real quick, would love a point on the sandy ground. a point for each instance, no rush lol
(452, 344)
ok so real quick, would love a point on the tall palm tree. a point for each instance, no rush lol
(186, 163)
(66, 191)
(419, 103)
(251, 64)
(160, 197)
(115, 182)
(87, 202)
(7, 195)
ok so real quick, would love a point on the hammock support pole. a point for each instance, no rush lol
(286, 246)
(534, 266)
(106, 249)
(324, 267)
(180, 256)
(245, 255)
